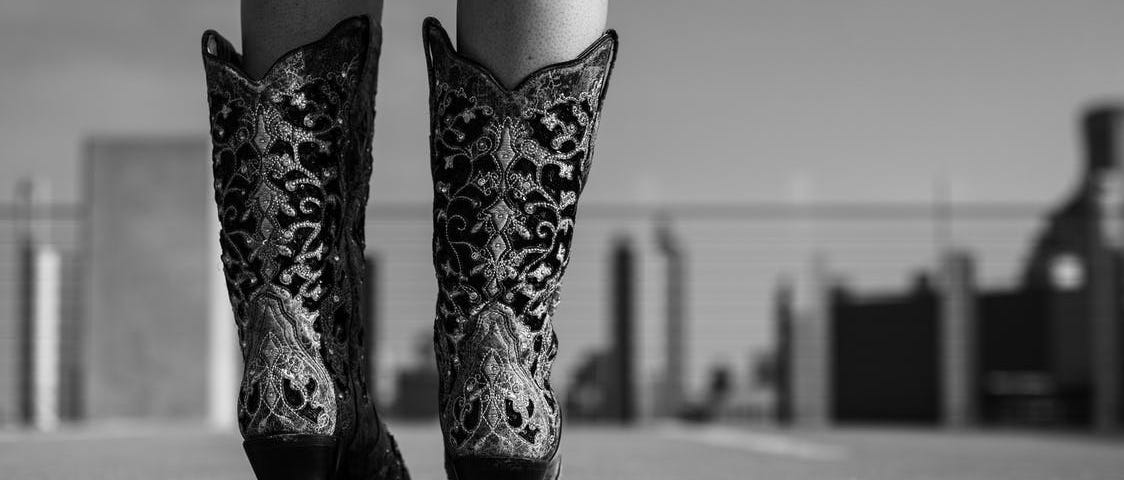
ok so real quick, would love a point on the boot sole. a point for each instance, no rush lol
(498, 468)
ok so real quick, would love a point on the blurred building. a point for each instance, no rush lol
(416, 386)
(606, 383)
(44, 342)
(588, 398)
(1046, 352)
(1075, 267)
(147, 340)
(116, 310)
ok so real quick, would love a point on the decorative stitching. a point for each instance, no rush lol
(508, 167)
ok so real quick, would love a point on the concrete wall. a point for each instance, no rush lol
(146, 285)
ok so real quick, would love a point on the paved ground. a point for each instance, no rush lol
(649, 453)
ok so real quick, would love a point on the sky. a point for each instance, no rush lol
(711, 101)
(863, 100)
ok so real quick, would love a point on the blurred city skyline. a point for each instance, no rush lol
(868, 101)
(761, 101)
(804, 216)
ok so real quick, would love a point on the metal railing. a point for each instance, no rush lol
(733, 258)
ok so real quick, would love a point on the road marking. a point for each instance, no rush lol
(758, 442)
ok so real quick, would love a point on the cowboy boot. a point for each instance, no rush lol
(508, 166)
(292, 161)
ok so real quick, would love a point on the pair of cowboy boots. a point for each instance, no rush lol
(292, 163)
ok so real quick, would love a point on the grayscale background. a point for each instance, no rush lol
(822, 239)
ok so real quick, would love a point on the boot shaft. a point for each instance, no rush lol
(508, 168)
(291, 162)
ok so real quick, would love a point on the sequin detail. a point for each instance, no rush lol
(508, 167)
(292, 162)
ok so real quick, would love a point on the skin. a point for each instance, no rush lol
(513, 38)
(272, 27)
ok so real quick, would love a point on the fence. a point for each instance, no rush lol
(735, 256)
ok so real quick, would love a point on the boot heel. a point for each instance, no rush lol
(293, 457)
(485, 468)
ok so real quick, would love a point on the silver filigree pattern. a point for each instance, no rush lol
(292, 162)
(508, 167)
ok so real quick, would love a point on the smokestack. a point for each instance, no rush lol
(1102, 136)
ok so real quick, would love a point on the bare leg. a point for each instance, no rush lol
(513, 38)
(272, 27)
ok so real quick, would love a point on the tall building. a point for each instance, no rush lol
(148, 336)
(1077, 252)
(621, 392)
